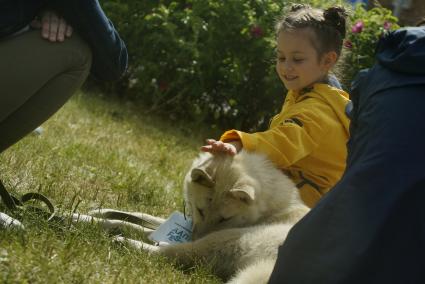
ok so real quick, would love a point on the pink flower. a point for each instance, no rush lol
(256, 31)
(358, 27)
(387, 25)
(348, 44)
(163, 86)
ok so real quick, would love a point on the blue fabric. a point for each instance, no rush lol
(370, 228)
(334, 82)
(16, 14)
(403, 51)
(110, 56)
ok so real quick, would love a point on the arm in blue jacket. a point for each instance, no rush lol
(370, 228)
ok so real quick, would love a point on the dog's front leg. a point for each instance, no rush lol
(138, 245)
(184, 254)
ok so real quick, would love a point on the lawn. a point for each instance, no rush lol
(97, 152)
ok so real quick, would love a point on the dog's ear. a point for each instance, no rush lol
(201, 176)
(245, 193)
(204, 173)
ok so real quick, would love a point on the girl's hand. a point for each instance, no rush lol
(53, 27)
(214, 146)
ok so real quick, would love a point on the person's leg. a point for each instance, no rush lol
(36, 78)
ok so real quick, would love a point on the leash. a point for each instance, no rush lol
(124, 216)
(15, 204)
(9, 200)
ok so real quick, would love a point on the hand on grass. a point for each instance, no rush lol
(53, 27)
(214, 146)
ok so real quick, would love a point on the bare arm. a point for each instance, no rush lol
(214, 146)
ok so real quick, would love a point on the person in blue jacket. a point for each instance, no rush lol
(47, 50)
(370, 228)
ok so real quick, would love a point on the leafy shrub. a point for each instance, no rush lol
(368, 26)
(212, 61)
(209, 60)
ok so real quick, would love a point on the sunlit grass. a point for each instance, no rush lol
(96, 152)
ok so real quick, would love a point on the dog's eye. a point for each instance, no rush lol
(222, 219)
(201, 212)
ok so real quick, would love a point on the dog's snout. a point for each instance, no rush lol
(195, 232)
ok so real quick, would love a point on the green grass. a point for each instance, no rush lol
(97, 152)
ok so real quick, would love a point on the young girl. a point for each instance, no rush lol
(307, 139)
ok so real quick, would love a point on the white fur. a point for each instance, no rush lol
(242, 209)
(276, 199)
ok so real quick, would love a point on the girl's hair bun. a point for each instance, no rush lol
(421, 22)
(336, 17)
(297, 7)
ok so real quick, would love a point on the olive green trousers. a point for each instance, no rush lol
(36, 78)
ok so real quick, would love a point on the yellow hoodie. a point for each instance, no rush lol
(307, 139)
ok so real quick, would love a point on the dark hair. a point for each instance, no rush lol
(329, 26)
(421, 22)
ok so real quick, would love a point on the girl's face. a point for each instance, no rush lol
(298, 64)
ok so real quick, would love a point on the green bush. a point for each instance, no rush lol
(205, 60)
(368, 26)
(212, 61)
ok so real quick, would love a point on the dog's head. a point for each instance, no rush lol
(220, 194)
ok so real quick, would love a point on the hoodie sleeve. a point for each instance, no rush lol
(296, 134)
(109, 51)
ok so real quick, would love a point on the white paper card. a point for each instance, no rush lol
(176, 229)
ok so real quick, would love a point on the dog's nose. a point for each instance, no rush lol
(195, 232)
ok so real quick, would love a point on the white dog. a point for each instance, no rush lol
(242, 208)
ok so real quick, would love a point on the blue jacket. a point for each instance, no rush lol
(370, 228)
(16, 14)
(86, 17)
